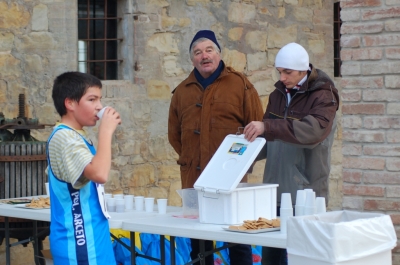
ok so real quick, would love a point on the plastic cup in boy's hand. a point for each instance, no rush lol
(101, 112)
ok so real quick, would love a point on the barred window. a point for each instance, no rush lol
(98, 38)
(337, 23)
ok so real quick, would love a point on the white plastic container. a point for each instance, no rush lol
(222, 200)
(341, 238)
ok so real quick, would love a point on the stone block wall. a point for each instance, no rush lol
(371, 82)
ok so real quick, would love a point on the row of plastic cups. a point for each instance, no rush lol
(307, 203)
(120, 203)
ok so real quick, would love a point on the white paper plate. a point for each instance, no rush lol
(264, 230)
(32, 208)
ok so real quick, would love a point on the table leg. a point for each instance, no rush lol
(172, 249)
(202, 251)
(133, 250)
(162, 250)
(7, 235)
(35, 243)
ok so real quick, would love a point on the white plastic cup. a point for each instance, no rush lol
(128, 202)
(299, 210)
(285, 213)
(309, 207)
(118, 196)
(286, 201)
(119, 205)
(320, 205)
(101, 112)
(47, 188)
(149, 204)
(162, 206)
(111, 204)
(301, 197)
(139, 203)
(315, 209)
(300, 202)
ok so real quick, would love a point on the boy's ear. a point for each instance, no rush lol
(69, 104)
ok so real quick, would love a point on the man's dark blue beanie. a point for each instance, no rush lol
(205, 34)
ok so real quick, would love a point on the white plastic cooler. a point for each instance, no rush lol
(222, 200)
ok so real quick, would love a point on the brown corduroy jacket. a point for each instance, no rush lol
(199, 119)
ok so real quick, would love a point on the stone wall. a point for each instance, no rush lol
(38, 41)
(371, 83)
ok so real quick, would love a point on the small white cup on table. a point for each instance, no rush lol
(118, 196)
(162, 206)
(119, 205)
(111, 204)
(129, 202)
(139, 200)
(149, 204)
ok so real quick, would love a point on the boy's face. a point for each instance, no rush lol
(84, 111)
(290, 78)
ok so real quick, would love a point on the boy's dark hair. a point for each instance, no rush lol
(71, 85)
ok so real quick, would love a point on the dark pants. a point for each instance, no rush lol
(274, 256)
(238, 254)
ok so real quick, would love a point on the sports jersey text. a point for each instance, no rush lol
(78, 222)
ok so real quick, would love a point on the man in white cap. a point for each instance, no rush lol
(299, 125)
(212, 102)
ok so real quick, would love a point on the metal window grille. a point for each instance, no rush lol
(337, 23)
(98, 39)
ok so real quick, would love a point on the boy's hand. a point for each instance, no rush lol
(253, 129)
(110, 120)
(100, 166)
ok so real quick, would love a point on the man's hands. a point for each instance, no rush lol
(253, 129)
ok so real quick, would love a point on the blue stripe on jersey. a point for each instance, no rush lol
(79, 227)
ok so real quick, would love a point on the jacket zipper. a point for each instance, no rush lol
(287, 105)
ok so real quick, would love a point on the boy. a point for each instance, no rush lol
(79, 226)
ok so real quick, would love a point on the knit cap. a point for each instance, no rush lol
(205, 34)
(292, 56)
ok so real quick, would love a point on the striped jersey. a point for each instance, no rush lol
(79, 231)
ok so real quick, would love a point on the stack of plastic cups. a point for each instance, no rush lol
(300, 203)
(320, 205)
(286, 210)
(310, 203)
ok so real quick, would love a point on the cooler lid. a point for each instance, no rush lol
(229, 164)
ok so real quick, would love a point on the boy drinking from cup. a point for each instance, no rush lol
(79, 231)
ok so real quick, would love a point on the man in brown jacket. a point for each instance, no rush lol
(212, 102)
